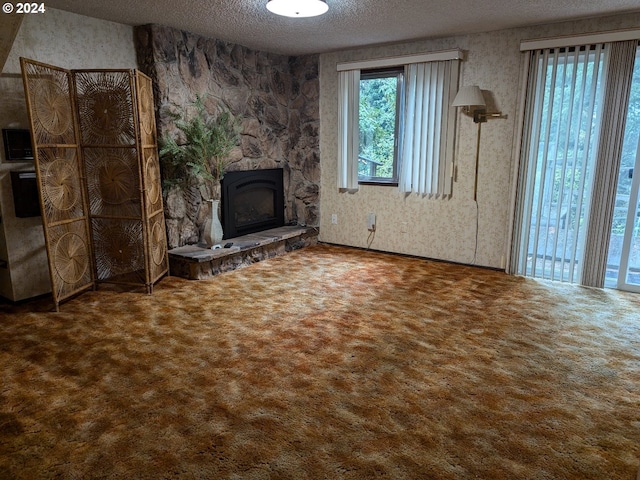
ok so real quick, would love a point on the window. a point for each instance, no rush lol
(379, 118)
(394, 122)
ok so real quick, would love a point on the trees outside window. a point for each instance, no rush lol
(379, 114)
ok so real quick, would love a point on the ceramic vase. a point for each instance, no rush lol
(212, 230)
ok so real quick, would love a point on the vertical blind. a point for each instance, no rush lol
(615, 106)
(427, 144)
(562, 121)
(348, 128)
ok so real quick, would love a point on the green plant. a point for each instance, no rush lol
(201, 148)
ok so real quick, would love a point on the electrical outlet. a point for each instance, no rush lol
(403, 227)
(334, 219)
(371, 222)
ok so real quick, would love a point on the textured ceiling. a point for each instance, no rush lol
(348, 24)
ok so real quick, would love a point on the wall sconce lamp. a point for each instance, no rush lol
(469, 97)
(472, 101)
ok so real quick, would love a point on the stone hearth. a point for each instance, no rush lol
(197, 263)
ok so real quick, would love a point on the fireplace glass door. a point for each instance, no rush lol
(254, 206)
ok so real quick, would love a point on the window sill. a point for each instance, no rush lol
(380, 184)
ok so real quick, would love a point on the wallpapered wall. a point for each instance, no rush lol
(69, 41)
(443, 228)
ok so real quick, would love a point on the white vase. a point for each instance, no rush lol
(212, 231)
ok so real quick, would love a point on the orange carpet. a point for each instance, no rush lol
(326, 363)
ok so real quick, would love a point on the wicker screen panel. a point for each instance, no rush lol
(118, 248)
(105, 107)
(70, 259)
(158, 255)
(156, 237)
(60, 184)
(50, 103)
(152, 181)
(113, 181)
(146, 109)
(57, 156)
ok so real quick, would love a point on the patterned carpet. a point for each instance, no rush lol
(326, 363)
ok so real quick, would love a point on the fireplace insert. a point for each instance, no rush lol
(252, 201)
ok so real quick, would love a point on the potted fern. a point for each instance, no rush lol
(199, 153)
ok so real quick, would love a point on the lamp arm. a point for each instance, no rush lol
(480, 115)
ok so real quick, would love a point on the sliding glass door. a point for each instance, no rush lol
(578, 206)
(629, 274)
(623, 262)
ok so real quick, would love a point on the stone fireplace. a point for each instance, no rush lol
(252, 201)
(277, 98)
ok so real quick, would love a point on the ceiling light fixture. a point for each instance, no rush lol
(297, 8)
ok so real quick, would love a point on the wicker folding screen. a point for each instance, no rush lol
(97, 164)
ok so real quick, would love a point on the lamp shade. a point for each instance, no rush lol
(297, 8)
(469, 96)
